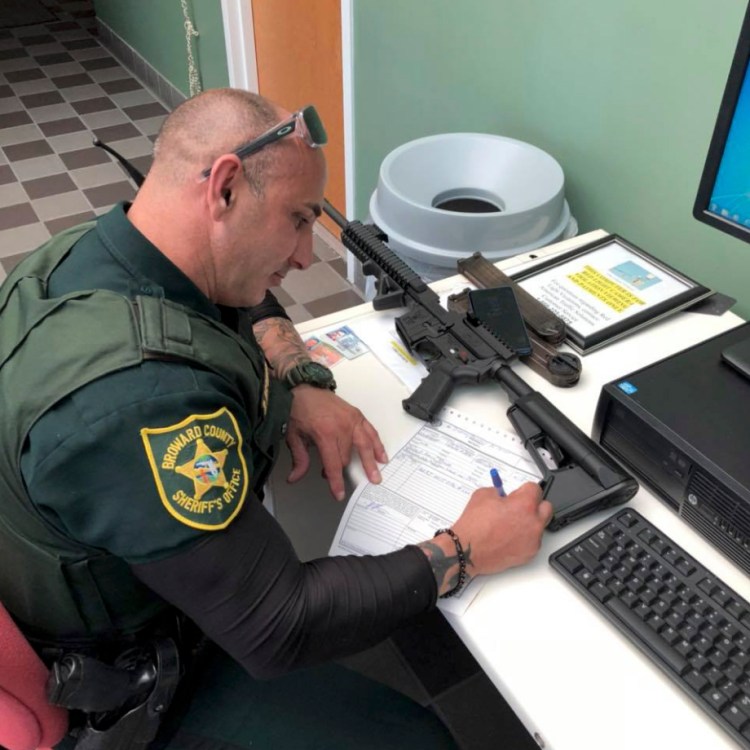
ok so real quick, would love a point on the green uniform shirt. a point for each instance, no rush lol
(145, 476)
(144, 461)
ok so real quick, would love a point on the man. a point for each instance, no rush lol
(143, 425)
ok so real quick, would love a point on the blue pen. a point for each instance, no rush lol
(497, 482)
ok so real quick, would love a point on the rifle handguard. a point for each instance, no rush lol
(457, 350)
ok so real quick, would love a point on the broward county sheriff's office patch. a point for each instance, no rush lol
(199, 469)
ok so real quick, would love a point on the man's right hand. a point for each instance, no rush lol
(495, 532)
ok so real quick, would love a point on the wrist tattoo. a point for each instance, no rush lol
(442, 565)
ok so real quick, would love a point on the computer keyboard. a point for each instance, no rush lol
(673, 608)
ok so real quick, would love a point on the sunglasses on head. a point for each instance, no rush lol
(305, 123)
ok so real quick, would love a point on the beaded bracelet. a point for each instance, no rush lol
(461, 562)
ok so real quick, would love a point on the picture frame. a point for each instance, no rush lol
(608, 289)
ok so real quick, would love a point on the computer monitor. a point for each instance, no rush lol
(723, 199)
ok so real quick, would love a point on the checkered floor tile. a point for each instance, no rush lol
(59, 89)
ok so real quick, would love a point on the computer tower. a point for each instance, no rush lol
(682, 426)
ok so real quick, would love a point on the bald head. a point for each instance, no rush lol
(208, 125)
(231, 235)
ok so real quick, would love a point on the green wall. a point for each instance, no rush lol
(623, 94)
(155, 29)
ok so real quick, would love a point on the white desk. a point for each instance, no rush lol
(573, 680)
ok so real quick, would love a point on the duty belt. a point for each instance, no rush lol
(123, 702)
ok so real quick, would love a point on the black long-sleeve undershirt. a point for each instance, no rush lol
(247, 590)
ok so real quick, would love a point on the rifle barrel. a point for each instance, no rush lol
(337, 216)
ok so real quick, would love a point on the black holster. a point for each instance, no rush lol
(123, 702)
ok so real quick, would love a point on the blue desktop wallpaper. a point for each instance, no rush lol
(731, 194)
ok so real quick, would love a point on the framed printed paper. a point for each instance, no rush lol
(607, 289)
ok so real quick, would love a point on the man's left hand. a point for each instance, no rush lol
(335, 426)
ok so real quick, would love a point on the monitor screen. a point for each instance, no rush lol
(724, 194)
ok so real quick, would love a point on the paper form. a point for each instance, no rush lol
(426, 486)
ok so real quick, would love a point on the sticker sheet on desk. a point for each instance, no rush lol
(321, 352)
(332, 345)
(346, 341)
(426, 486)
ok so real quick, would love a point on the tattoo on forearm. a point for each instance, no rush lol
(443, 564)
(281, 344)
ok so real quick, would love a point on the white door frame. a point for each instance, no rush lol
(243, 71)
(240, 44)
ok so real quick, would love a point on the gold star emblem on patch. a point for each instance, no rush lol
(205, 469)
